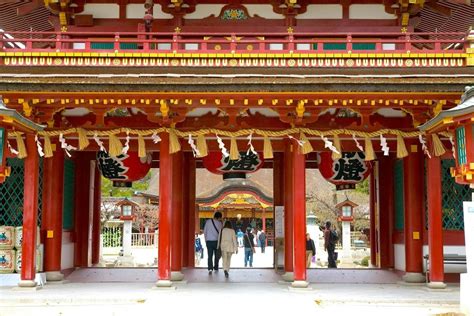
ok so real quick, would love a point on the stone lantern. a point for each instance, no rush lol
(345, 212)
(127, 211)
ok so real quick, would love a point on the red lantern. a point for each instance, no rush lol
(216, 163)
(345, 172)
(123, 169)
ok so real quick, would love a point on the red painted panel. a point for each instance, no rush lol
(435, 222)
(177, 212)
(289, 191)
(413, 187)
(81, 209)
(386, 206)
(96, 218)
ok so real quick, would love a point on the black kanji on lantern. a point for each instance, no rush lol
(111, 168)
(247, 162)
(349, 167)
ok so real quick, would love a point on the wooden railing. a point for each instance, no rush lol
(238, 43)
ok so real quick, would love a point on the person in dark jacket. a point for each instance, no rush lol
(249, 247)
(310, 250)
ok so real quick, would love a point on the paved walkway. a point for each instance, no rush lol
(231, 297)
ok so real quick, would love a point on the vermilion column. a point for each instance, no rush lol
(386, 210)
(299, 216)
(372, 206)
(185, 218)
(435, 224)
(413, 170)
(288, 203)
(30, 214)
(164, 233)
(96, 217)
(52, 220)
(189, 179)
(81, 210)
(177, 216)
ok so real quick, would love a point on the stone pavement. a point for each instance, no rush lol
(212, 295)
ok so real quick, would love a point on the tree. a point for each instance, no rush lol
(108, 189)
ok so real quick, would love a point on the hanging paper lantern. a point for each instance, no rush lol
(123, 169)
(346, 171)
(216, 163)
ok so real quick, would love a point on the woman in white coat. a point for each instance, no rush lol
(228, 245)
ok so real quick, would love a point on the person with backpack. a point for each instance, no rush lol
(198, 249)
(330, 240)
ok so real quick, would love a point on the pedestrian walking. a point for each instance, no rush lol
(212, 228)
(249, 247)
(228, 246)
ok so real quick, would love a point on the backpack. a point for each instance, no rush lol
(333, 237)
(197, 244)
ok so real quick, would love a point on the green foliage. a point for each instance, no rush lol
(363, 187)
(109, 190)
(365, 261)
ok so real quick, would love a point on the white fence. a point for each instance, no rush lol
(144, 239)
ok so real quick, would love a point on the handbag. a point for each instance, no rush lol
(218, 250)
(250, 243)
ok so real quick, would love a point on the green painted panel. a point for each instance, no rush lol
(68, 198)
(399, 195)
(102, 45)
(334, 46)
(363, 46)
(110, 45)
(461, 145)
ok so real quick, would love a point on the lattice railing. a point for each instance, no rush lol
(453, 195)
(11, 194)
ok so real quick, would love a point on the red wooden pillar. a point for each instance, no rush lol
(299, 216)
(96, 217)
(185, 218)
(386, 210)
(435, 224)
(52, 221)
(288, 203)
(30, 214)
(372, 206)
(177, 216)
(413, 170)
(81, 210)
(189, 208)
(164, 228)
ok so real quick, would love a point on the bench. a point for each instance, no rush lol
(448, 259)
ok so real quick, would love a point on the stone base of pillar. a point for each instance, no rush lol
(54, 276)
(299, 284)
(164, 284)
(288, 276)
(414, 277)
(25, 284)
(437, 285)
(177, 276)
